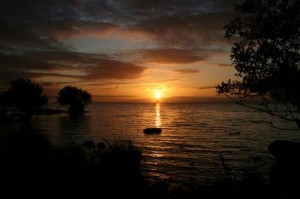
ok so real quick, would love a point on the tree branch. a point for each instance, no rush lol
(267, 110)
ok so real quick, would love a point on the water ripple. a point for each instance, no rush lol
(194, 136)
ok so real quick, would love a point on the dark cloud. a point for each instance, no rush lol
(171, 55)
(42, 24)
(186, 31)
(91, 66)
(23, 23)
(113, 69)
(33, 34)
(162, 7)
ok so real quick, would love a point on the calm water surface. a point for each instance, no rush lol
(194, 136)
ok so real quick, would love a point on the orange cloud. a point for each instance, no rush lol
(186, 71)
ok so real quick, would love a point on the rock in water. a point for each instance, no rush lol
(285, 151)
(152, 130)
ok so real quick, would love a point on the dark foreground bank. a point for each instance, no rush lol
(32, 168)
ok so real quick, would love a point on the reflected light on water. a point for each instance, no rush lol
(157, 115)
(194, 135)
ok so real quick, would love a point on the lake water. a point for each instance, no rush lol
(193, 139)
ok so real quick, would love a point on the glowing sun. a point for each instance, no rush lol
(157, 94)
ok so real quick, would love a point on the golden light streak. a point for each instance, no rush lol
(157, 115)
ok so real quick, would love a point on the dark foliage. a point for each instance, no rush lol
(31, 167)
(266, 57)
(25, 96)
(75, 99)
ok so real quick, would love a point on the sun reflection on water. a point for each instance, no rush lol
(157, 115)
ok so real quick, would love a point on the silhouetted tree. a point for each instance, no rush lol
(266, 56)
(74, 98)
(25, 96)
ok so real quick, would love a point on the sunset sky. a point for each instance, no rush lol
(118, 50)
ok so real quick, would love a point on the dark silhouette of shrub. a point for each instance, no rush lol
(25, 96)
(75, 99)
(31, 165)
